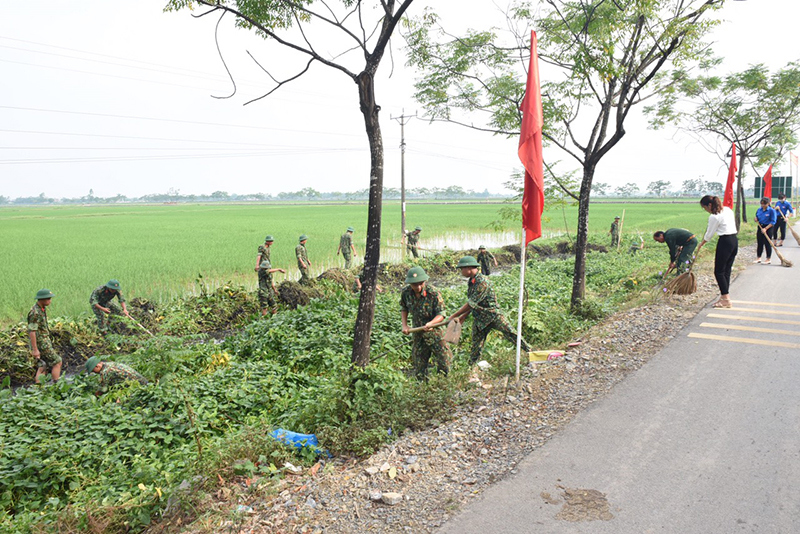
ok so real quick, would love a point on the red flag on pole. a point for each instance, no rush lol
(768, 183)
(728, 198)
(530, 150)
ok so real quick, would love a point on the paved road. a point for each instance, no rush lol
(705, 438)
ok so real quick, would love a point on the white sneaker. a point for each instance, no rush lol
(758, 260)
(768, 261)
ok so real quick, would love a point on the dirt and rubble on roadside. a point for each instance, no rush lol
(417, 482)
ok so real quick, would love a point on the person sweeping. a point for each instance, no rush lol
(766, 217)
(721, 222)
(681, 243)
(784, 210)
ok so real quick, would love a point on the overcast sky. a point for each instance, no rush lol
(117, 97)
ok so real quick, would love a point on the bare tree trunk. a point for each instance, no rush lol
(739, 208)
(372, 254)
(582, 239)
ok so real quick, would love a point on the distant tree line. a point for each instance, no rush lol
(307, 194)
(660, 189)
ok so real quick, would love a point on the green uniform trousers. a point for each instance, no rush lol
(479, 336)
(425, 345)
(102, 317)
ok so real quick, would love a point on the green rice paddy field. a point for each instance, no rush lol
(158, 251)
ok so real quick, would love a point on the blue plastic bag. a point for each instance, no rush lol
(298, 441)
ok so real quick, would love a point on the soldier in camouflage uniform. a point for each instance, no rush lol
(482, 303)
(264, 251)
(346, 247)
(266, 285)
(112, 373)
(39, 334)
(302, 260)
(484, 258)
(412, 238)
(101, 303)
(426, 307)
(614, 231)
(357, 284)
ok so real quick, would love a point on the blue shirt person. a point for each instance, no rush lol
(782, 208)
(766, 217)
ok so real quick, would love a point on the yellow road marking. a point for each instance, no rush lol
(755, 319)
(747, 340)
(772, 312)
(749, 329)
(766, 303)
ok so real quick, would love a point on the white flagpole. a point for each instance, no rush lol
(521, 292)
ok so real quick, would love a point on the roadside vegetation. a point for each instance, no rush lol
(222, 378)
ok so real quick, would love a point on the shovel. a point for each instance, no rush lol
(452, 335)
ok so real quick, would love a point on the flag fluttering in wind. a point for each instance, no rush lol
(530, 150)
(728, 198)
(768, 183)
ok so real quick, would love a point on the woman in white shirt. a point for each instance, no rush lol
(721, 222)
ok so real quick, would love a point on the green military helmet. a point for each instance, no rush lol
(416, 274)
(302, 238)
(350, 229)
(113, 284)
(265, 264)
(44, 294)
(91, 363)
(418, 229)
(617, 217)
(481, 247)
(468, 261)
(269, 239)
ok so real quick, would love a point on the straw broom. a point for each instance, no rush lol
(792, 230)
(784, 261)
(683, 284)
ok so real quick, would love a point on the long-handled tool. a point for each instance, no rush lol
(137, 323)
(683, 284)
(784, 261)
(452, 335)
(792, 230)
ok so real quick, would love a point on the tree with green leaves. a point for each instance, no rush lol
(354, 36)
(659, 187)
(628, 190)
(600, 59)
(756, 109)
(600, 189)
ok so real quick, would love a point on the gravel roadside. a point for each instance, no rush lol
(417, 482)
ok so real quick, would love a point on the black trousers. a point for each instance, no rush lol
(727, 247)
(763, 242)
(780, 226)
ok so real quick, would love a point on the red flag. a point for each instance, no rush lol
(768, 183)
(530, 150)
(728, 198)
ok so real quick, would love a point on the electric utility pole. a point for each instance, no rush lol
(403, 120)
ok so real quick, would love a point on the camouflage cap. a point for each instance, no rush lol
(113, 284)
(269, 239)
(416, 274)
(302, 238)
(44, 294)
(91, 363)
(468, 261)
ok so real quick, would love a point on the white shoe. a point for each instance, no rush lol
(758, 260)
(768, 261)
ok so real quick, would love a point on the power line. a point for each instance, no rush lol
(142, 138)
(169, 157)
(179, 121)
(172, 69)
